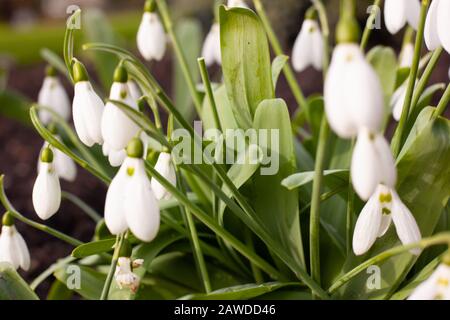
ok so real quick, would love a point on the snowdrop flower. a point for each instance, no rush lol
(399, 12)
(237, 3)
(211, 47)
(116, 127)
(124, 276)
(372, 164)
(87, 108)
(308, 47)
(13, 248)
(151, 38)
(437, 25)
(165, 168)
(130, 201)
(46, 189)
(64, 165)
(52, 95)
(353, 92)
(383, 207)
(406, 56)
(437, 286)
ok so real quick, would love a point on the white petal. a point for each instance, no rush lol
(406, 56)
(395, 15)
(397, 101)
(87, 113)
(46, 192)
(64, 166)
(237, 3)
(443, 24)
(413, 13)
(429, 289)
(431, 32)
(105, 149)
(302, 53)
(367, 227)
(8, 247)
(114, 203)
(165, 168)
(151, 38)
(116, 158)
(405, 224)
(336, 92)
(388, 172)
(365, 167)
(117, 128)
(134, 90)
(211, 47)
(52, 95)
(24, 254)
(386, 220)
(317, 47)
(142, 209)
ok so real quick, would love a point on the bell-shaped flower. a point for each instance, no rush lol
(437, 25)
(87, 108)
(13, 248)
(384, 207)
(46, 189)
(165, 168)
(399, 12)
(308, 47)
(353, 93)
(436, 287)
(211, 47)
(372, 164)
(53, 96)
(64, 166)
(237, 3)
(130, 201)
(117, 128)
(151, 38)
(124, 276)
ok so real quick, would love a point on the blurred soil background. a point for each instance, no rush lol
(27, 26)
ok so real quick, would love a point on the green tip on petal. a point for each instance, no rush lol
(47, 155)
(79, 72)
(150, 6)
(135, 148)
(311, 13)
(120, 74)
(347, 31)
(8, 219)
(50, 71)
(126, 249)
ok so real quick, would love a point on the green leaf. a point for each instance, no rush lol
(15, 106)
(424, 186)
(245, 62)
(12, 286)
(240, 292)
(190, 33)
(277, 66)
(59, 291)
(86, 281)
(224, 109)
(92, 248)
(335, 177)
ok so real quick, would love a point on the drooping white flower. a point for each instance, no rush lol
(372, 164)
(437, 25)
(308, 47)
(87, 108)
(237, 3)
(353, 93)
(117, 128)
(64, 166)
(124, 276)
(436, 287)
(130, 201)
(13, 248)
(399, 12)
(406, 56)
(165, 168)
(384, 207)
(46, 189)
(211, 47)
(151, 38)
(53, 96)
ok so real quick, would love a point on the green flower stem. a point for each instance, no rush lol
(112, 269)
(368, 28)
(399, 132)
(421, 85)
(164, 12)
(68, 43)
(209, 92)
(82, 205)
(45, 134)
(442, 238)
(324, 25)
(53, 232)
(193, 237)
(443, 103)
(287, 70)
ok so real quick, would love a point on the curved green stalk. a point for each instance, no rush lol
(82, 205)
(209, 91)
(443, 103)
(112, 268)
(368, 28)
(68, 43)
(442, 238)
